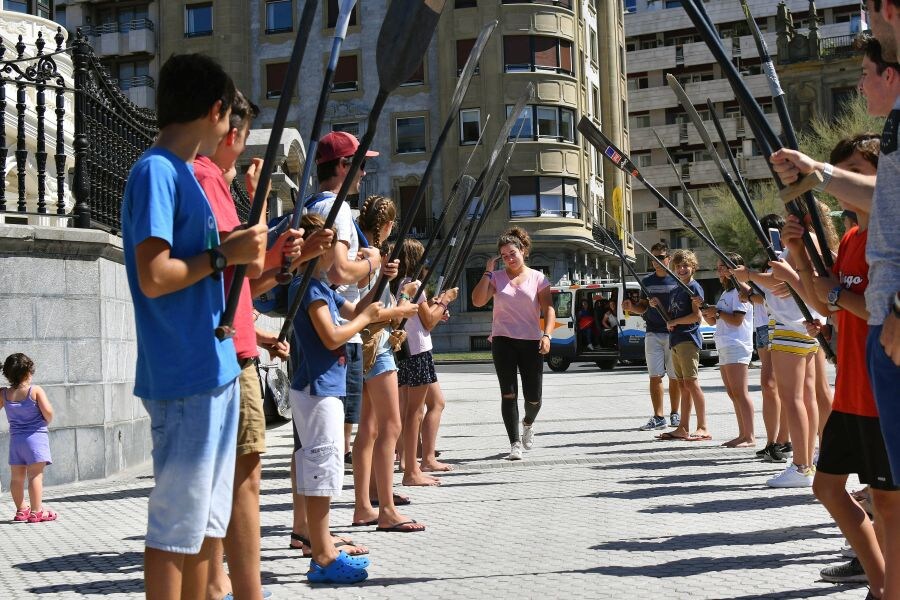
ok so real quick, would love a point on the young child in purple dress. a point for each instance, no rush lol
(29, 412)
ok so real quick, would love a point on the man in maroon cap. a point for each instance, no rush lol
(351, 264)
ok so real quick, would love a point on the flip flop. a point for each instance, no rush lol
(401, 527)
(668, 437)
(698, 438)
(364, 523)
(398, 501)
(338, 544)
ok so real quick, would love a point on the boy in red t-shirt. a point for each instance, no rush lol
(852, 441)
(215, 174)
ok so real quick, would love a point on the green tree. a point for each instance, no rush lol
(728, 225)
(726, 221)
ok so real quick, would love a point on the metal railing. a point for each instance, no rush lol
(110, 132)
(118, 27)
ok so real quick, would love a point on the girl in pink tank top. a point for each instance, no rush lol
(518, 341)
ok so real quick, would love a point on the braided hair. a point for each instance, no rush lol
(376, 211)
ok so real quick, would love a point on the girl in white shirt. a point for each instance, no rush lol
(733, 319)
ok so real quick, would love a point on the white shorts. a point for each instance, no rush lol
(319, 427)
(658, 355)
(734, 354)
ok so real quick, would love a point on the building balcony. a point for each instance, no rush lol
(650, 21)
(140, 90)
(652, 59)
(122, 39)
(659, 176)
(705, 172)
(643, 139)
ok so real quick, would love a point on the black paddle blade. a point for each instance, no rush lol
(405, 35)
(602, 143)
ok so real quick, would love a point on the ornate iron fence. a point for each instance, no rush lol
(110, 131)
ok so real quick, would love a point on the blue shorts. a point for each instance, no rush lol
(353, 400)
(762, 337)
(194, 447)
(384, 363)
(884, 375)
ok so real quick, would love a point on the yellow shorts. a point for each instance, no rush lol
(251, 437)
(793, 342)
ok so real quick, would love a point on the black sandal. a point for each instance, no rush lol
(296, 537)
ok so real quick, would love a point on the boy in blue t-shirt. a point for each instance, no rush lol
(320, 379)
(684, 339)
(185, 377)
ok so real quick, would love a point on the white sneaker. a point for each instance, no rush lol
(527, 436)
(791, 477)
(515, 451)
(590, 347)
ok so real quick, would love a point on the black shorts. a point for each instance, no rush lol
(417, 370)
(854, 444)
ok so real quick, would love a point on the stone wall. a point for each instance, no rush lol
(64, 301)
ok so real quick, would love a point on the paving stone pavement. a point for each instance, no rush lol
(596, 510)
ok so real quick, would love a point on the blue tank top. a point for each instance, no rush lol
(24, 417)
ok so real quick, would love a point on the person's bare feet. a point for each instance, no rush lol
(435, 466)
(746, 443)
(732, 443)
(365, 515)
(701, 433)
(298, 542)
(420, 479)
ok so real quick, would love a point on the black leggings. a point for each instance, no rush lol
(512, 355)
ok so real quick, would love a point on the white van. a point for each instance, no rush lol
(602, 339)
(606, 346)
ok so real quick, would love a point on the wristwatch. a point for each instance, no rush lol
(833, 296)
(827, 172)
(217, 261)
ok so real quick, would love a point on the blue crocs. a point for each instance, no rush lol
(344, 569)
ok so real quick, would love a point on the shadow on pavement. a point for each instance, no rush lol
(732, 505)
(657, 491)
(670, 479)
(94, 588)
(88, 562)
(696, 541)
(700, 565)
(102, 496)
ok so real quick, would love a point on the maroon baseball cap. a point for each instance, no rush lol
(338, 144)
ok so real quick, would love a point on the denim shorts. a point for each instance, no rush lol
(353, 400)
(384, 363)
(762, 337)
(658, 355)
(194, 441)
(883, 375)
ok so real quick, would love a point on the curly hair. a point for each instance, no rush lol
(17, 367)
(685, 256)
(376, 211)
(516, 236)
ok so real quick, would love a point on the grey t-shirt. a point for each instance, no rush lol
(883, 244)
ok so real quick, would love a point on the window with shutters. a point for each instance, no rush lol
(346, 74)
(525, 53)
(333, 8)
(410, 135)
(469, 126)
(198, 20)
(463, 49)
(420, 223)
(544, 122)
(275, 73)
(279, 18)
(543, 197)
(417, 78)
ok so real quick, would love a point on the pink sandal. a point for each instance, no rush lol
(22, 515)
(42, 516)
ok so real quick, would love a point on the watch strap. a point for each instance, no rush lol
(827, 173)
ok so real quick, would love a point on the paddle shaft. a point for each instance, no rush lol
(225, 329)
